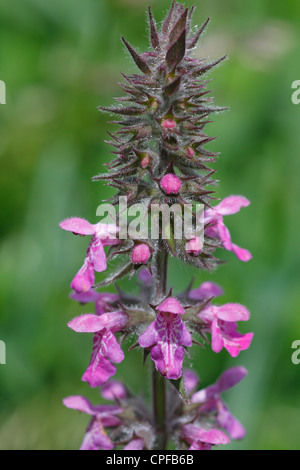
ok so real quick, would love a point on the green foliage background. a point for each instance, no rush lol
(60, 60)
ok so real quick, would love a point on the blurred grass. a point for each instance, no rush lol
(60, 60)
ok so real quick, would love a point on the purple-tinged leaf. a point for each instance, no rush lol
(137, 58)
(153, 32)
(195, 39)
(178, 28)
(172, 87)
(134, 111)
(176, 52)
(207, 67)
(167, 21)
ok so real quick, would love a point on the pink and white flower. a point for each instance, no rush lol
(102, 416)
(211, 402)
(166, 337)
(106, 349)
(217, 229)
(95, 260)
(222, 323)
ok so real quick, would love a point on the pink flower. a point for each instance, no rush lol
(201, 439)
(165, 337)
(95, 260)
(217, 229)
(222, 321)
(102, 416)
(170, 183)
(106, 349)
(212, 403)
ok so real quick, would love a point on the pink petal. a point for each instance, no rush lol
(168, 360)
(96, 439)
(77, 402)
(224, 235)
(85, 297)
(190, 380)
(231, 205)
(186, 339)
(135, 444)
(230, 378)
(82, 404)
(97, 255)
(233, 341)
(77, 225)
(205, 291)
(85, 277)
(241, 253)
(192, 434)
(214, 436)
(90, 323)
(171, 305)
(113, 390)
(216, 337)
(96, 376)
(228, 422)
(105, 349)
(238, 343)
(149, 337)
(233, 312)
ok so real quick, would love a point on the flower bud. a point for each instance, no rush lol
(140, 254)
(145, 161)
(168, 124)
(170, 183)
(194, 246)
(190, 152)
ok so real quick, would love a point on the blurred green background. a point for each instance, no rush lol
(60, 60)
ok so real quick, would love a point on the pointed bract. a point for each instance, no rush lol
(137, 58)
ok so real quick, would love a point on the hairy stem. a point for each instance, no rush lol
(158, 381)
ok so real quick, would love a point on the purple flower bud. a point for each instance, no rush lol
(145, 161)
(194, 246)
(140, 254)
(168, 124)
(171, 184)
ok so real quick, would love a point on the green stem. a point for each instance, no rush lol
(159, 408)
(158, 381)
